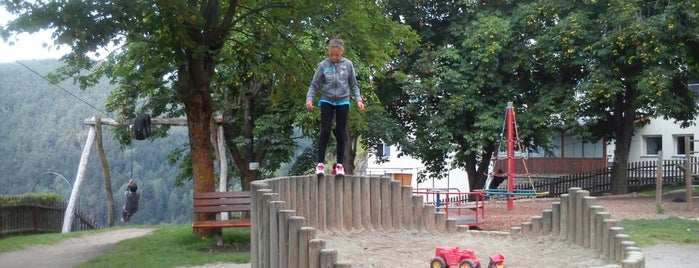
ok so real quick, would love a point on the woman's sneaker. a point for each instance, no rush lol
(320, 169)
(339, 170)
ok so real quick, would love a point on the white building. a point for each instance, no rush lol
(662, 135)
(404, 166)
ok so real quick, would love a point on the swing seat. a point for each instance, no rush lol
(516, 193)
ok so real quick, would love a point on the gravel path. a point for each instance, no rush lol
(69, 252)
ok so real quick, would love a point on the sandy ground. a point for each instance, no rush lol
(415, 249)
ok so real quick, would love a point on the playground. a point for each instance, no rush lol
(410, 249)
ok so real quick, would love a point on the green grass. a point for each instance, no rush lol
(176, 245)
(695, 190)
(648, 232)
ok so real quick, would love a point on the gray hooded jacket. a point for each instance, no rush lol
(336, 80)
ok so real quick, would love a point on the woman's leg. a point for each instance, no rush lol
(326, 118)
(342, 114)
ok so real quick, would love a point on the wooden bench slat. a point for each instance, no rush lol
(219, 202)
(225, 208)
(223, 223)
(208, 195)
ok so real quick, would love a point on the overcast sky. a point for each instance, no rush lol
(29, 46)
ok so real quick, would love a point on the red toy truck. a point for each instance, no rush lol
(446, 256)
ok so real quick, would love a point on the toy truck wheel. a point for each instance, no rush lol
(438, 262)
(493, 265)
(467, 264)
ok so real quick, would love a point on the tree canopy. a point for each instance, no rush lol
(591, 67)
(167, 56)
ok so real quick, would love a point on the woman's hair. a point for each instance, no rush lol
(336, 41)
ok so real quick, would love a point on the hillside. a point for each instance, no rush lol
(43, 135)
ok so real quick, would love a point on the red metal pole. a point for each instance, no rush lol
(510, 157)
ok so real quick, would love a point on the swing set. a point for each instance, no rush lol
(141, 132)
(510, 127)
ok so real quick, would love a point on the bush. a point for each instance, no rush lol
(48, 199)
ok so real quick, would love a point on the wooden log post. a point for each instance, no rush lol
(579, 216)
(314, 248)
(306, 234)
(428, 212)
(546, 222)
(601, 227)
(440, 221)
(536, 225)
(322, 197)
(587, 202)
(375, 203)
(347, 215)
(295, 223)
(330, 204)
(312, 201)
(592, 216)
(570, 236)
(418, 204)
(356, 203)
(328, 257)
(283, 231)
(611, 240)
(75, 192)
(396, 205)
(274, 208)
(556, 219)
(564, 216)
(407, 194)
(386, 221)
(366, 203)
(526, 228)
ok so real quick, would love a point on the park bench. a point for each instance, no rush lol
(218, 202)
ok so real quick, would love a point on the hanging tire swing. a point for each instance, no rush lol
(141, 127)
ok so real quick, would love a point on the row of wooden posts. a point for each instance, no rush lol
(579, 220)
(288, 212)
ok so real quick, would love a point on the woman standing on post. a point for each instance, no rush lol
(336, 79)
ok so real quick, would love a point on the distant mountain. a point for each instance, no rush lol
(43, 135)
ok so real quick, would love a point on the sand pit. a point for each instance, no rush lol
(416, 249)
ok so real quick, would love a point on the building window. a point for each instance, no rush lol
(654, 144)
(679, 141)
(383, 151)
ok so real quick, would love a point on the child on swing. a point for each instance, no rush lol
(131, 205)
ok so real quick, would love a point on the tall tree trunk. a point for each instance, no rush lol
(193, 89)
(624, 127)
(249, 175)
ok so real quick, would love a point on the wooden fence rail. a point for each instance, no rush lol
(37, 218)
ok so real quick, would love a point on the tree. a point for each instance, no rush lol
(632, 57)
(473, 59)
(168, 54)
